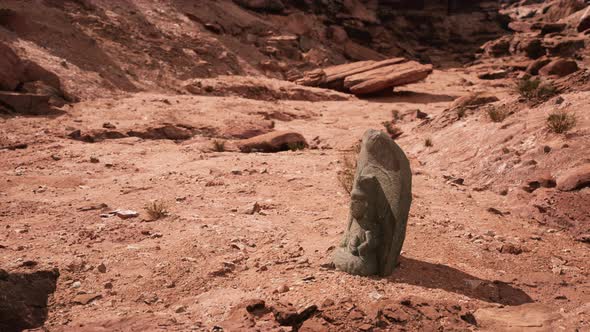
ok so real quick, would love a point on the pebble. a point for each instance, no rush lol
(76, 284)
(283, 289)
(102, 268)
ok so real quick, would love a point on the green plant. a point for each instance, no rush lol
(218, 146)
(497, 114)
(428, 142)
(561, 122)
(156, 209)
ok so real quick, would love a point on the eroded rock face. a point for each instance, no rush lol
(23, 298)
(380, 203)
(574, 179)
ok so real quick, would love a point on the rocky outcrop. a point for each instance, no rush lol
(559, 68)
(367, 77)
(24, 103)
(574, 179)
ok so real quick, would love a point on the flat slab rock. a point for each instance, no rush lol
(273, 142)
(527, 317)
(24, 103)
(366, 77)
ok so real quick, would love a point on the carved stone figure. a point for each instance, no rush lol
(379, 206)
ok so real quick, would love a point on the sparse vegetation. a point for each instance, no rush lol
(157, 209)
(497, 114)
(561, 122)
(534, 89)
(395, 115)
(428, 142)
(346, 174)
(218, 146)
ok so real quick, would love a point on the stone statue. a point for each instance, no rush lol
(379, 206)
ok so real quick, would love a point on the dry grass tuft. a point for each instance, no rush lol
(534, 89)
(218, 146)
(561, 122)
(157, 209)
(428, 142)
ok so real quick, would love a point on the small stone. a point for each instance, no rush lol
(254, 305)
(94, 160)
(180, 309)
(109, 125)
(84, 299)
(251, 209)
(108, 285)
(125, 214)
(76, 284)
(283, 289)
(55, 157)
(102, 268)
(236, 171)
(327, 303)
(29, 263)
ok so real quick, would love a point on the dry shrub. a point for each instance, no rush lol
(428, 142)
(561, 122)
(497, 114)
(534, 89)
(157, 209)
(218, 146)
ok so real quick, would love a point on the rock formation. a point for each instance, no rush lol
(380, 203)
(365, 77)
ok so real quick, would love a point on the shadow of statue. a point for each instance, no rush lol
(430, 275)
(23, 299)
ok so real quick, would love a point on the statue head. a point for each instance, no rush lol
(358, 203)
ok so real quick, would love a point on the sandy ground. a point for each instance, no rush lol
(189, 270)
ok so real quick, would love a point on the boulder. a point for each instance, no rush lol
(559, 67)
(533, 48)
(533, 67)
(34, 72)
(546, 28)
(273, 142)
(387, 77)
(333, 77)
(24, 103)
(574, 179)
(474, 99)
(542, 179)
(497, 48)
(564, 47)
(11, 68)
